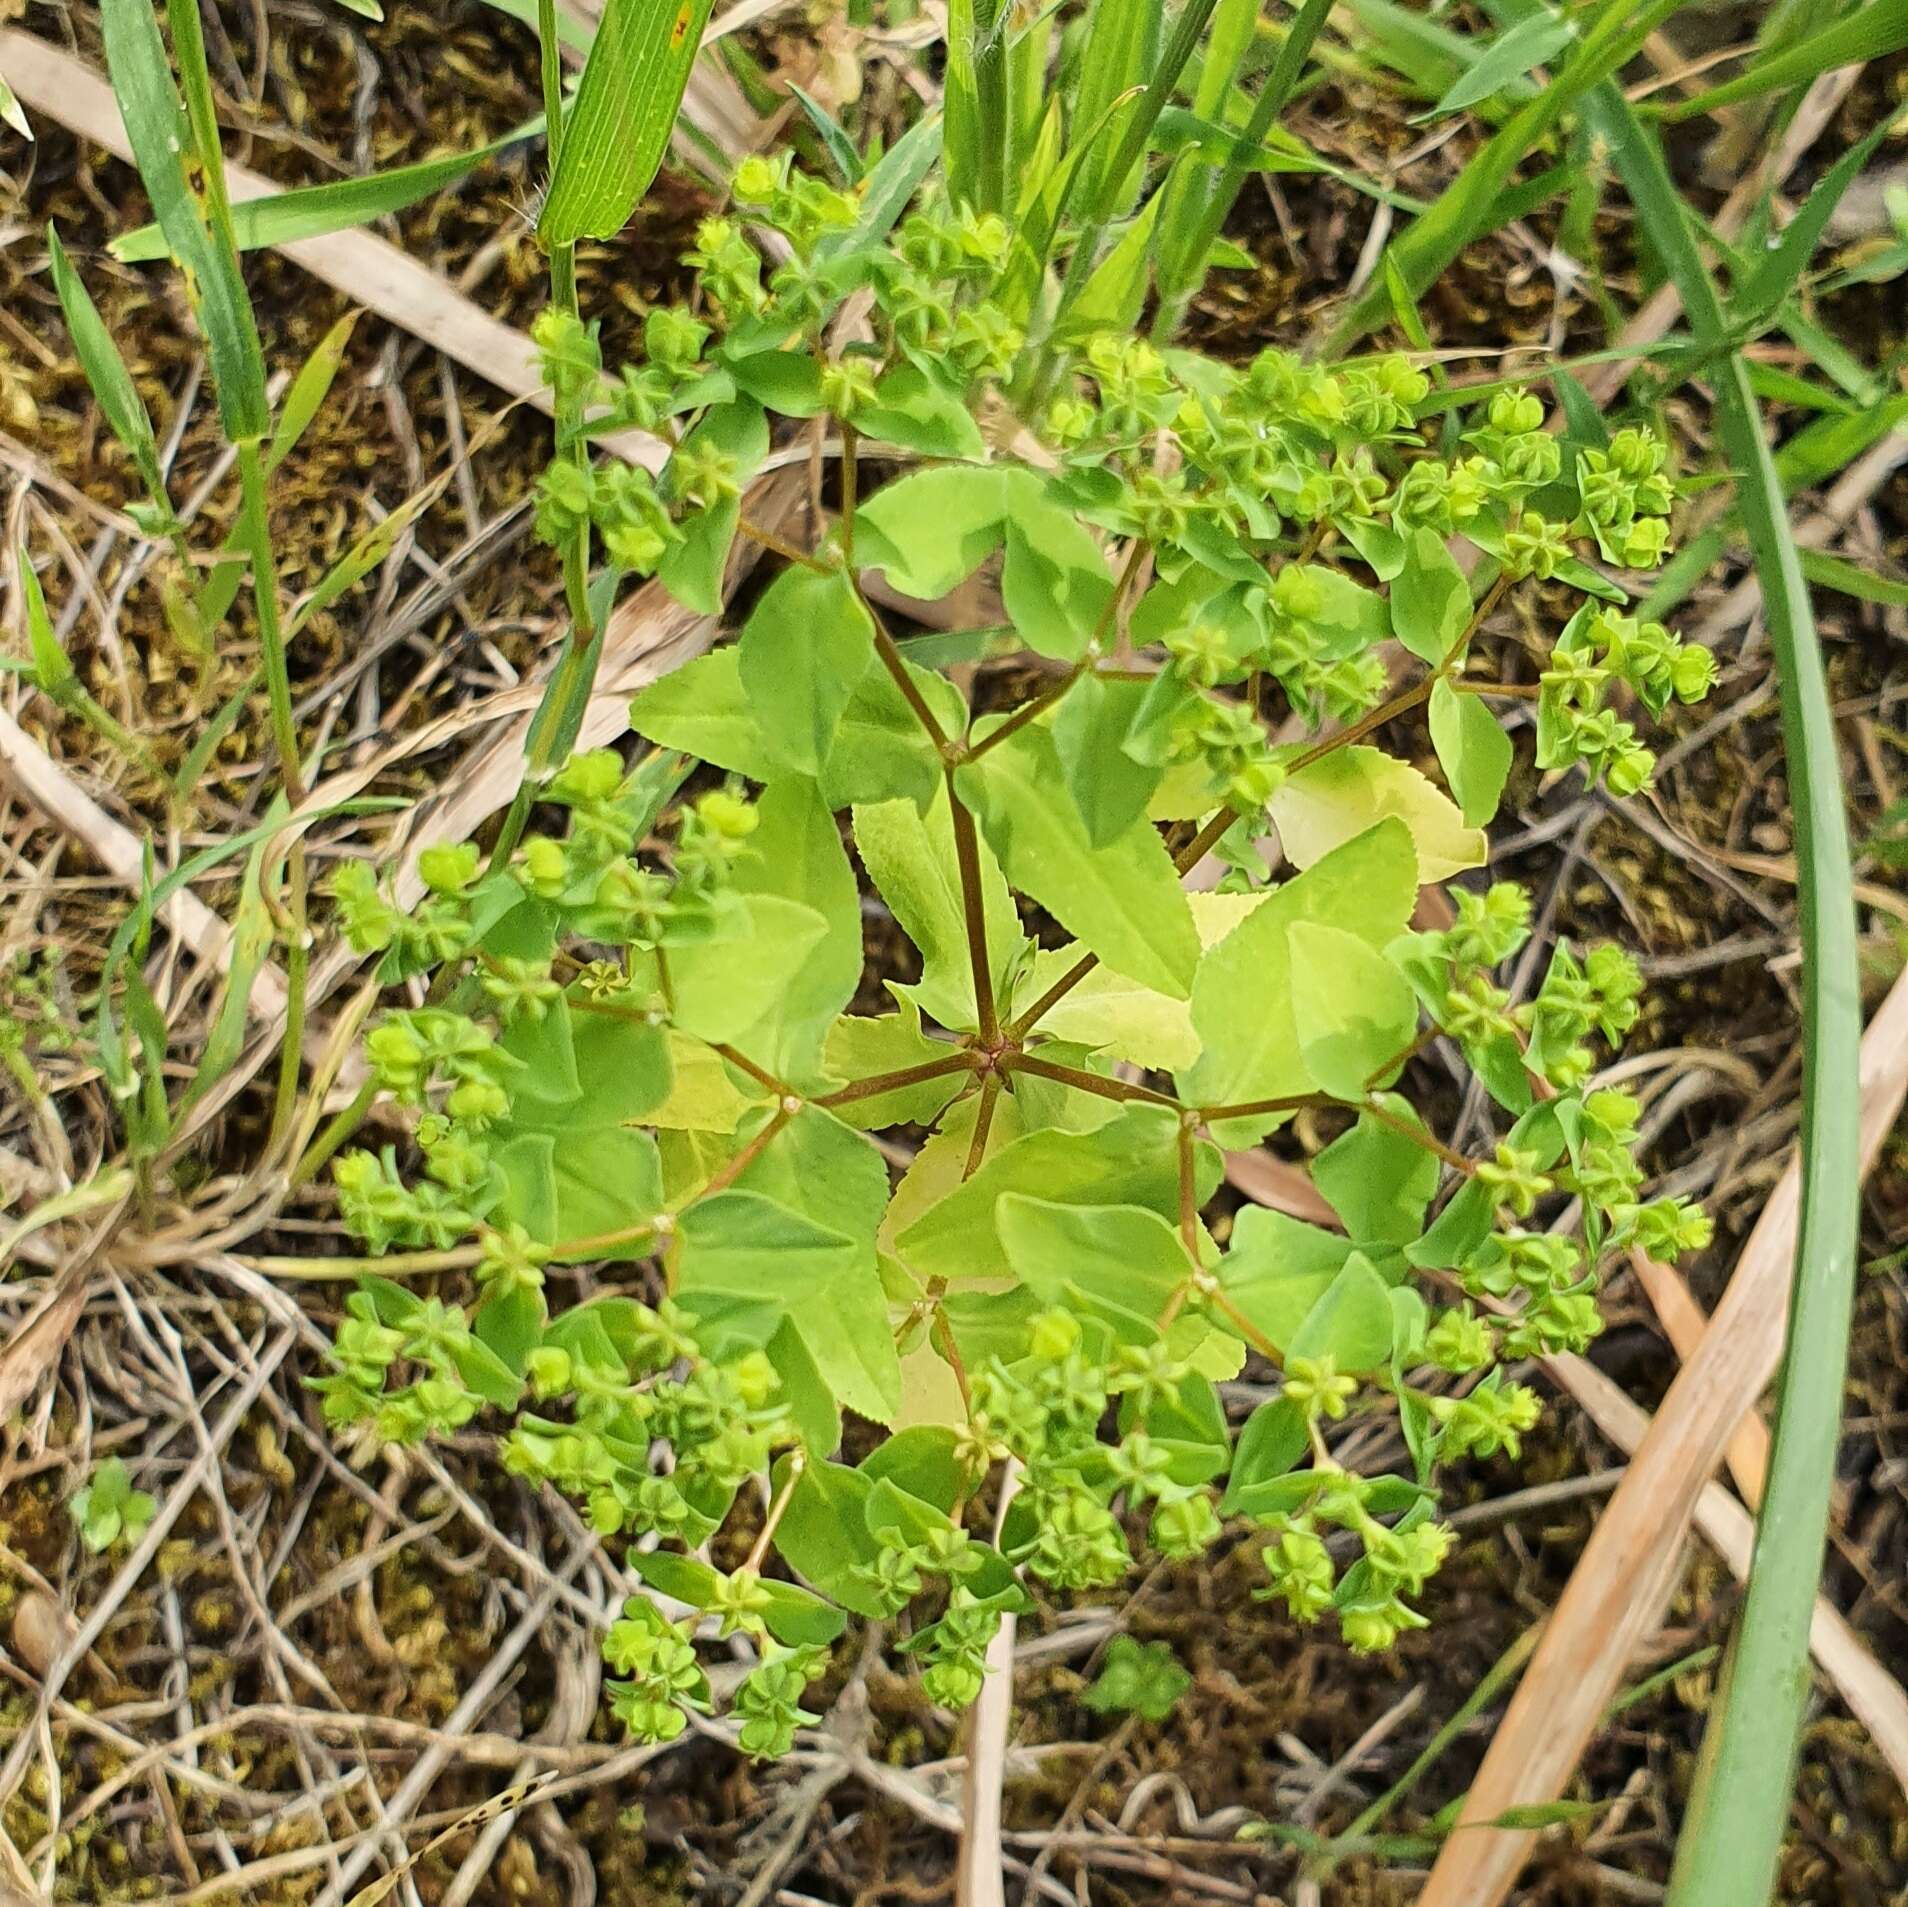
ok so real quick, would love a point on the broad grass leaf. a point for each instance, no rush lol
(615, 134)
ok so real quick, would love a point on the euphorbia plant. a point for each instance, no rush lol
(639, 1047)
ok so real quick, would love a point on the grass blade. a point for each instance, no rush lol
(1472, 204)
(1732, 1837)
(626, 104)
(1508, 58)
(1779, 269)
(185, 181)
(311, 211)
(1180, 276)
(1871, 32)
(309, 389)
(106, 374)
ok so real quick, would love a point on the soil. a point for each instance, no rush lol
(1279, 1725)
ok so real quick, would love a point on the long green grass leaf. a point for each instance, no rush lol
(106, 374)
(615, 134)
(311, 211)
(185, 185)
(309, 390)
(1506, 59)
(1732, 1836)
(1777, 272)
(1869, 33)
(1473, 202)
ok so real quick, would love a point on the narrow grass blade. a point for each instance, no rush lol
(1776, 274)
(106, 374)
(310, 211)
(309, 390)
(1732, 1837)
(615, 134)
(1870, 33)
(1507, 59)
(1180, 273)
(1850, 579)
(960, 102)
(185, 183)
(1473, 203)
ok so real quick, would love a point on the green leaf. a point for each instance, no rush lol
(1430, 600)
(1351, 789)
(1132, 1160)
(785, 381)
(803, 650)
(1270, 1444)
(1139, 1678)
(881, 750)
(702, 709)
(615, 133)
(1054, 581)
(1109, 788)
(1112, 298)
(52, 667)
(1112, 1014)
(924, 1461)
(181, 181)
(579, 1183)
(692, 570)
(1276, 1269)
(106, 374)
(804, 1390)
(621, 1073)
(1355, 1011)
(910, 858)
(1352, 1322)
(1508, 58)
(1473, 751)
(1377, 1180)
(740, 1244)
(796, 854)
(1121, 1263)
(313, 211)
(930, 531)
(1123, 901)
(824, 1536)
(1243, 997)
(309, 389)
(924, 414)
(731, 989)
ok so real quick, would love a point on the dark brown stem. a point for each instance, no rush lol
(733, 1170)
(1254, 1108)
(974, 915)
(1419, 1137)
(780, 546)
(910, 690)
(983, 1125)
(877, 1084)
(1054, 995)
(1520, 691)
(762, 1078)
(850, 483)
(1079, 1078)
(1027, 712)
(1188, 1194)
